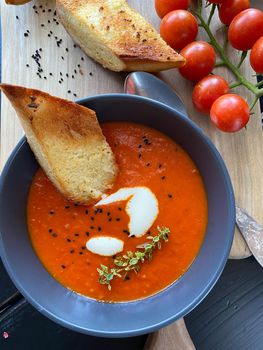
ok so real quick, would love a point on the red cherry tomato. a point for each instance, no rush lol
(216, 1)
(200, 60)
(179, 28)
(230, 113)
(230, 8)
(207, 90)
(245, 29)
(256, 56)
(163, 7)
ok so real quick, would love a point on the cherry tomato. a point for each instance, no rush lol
(230, 8)
(163, 7)
(207, 90)
(245, 29)
(200, 60)
(230, 113)
(179, 28)
(256, 56)
(216, 1)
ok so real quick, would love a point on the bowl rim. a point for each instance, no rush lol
(198, 298)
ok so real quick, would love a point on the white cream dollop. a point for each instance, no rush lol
(142, 207)
(104, 245)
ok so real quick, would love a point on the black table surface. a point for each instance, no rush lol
(230, 317)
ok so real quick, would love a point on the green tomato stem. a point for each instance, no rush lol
(220, 50)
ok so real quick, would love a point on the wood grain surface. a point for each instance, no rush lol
(34, 26)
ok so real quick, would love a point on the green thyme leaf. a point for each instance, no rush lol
(131, 260)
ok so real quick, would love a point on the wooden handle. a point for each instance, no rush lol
(173, 337)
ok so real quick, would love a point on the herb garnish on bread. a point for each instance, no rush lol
(67, 141)
(117, 36)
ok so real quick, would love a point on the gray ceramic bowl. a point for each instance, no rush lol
(120, 319)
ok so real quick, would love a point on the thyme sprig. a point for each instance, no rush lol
(131, 260)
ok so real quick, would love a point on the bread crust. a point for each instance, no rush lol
(129, 41)
(57, 129)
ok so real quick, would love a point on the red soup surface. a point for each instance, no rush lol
(60, 229)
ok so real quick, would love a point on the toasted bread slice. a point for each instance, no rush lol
(17, 2)
(67, 141)
(116, 36)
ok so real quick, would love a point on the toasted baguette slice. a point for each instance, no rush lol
(67, 141)
(116, 36)
(16, 2)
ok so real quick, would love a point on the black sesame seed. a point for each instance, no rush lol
(45, 78)
(17, 17)
(44, 11)
(170, 195)
(67, 206)
(76, 204)
(36, 12)
(140, 155)
(83, 247)
(91, 74)
(86, 212)
(25, 34)
(49, 35)
(62, 57)
(40, 6)
(63, 266)
(99, 228)
(126, 231)
(92, 227)
(50, 230)
(87, 233)
(80, 253)
(75, 71)
(127, 278)
(72, 76)
(75, 45)
(51, 212)
(149, 232)
(78, 65)
(72, 251)
(51, 74)
(69, 91)
(108, 213)
(60, 73)
(82, 58)
(148, 164)
(163, 177)
(27, 65)
(48, 21)
(76, 234)
(75, 95)
(55, 13)
(109, 219)
(42, 25)
(66, 49)
(54, 235)
(140, 146)
(49, 10)
(92, 218)
(120, 209)
(67, 75)
(159, 166)
(118, 219)
(68, 240)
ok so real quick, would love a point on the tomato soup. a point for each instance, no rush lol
(60, 229)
